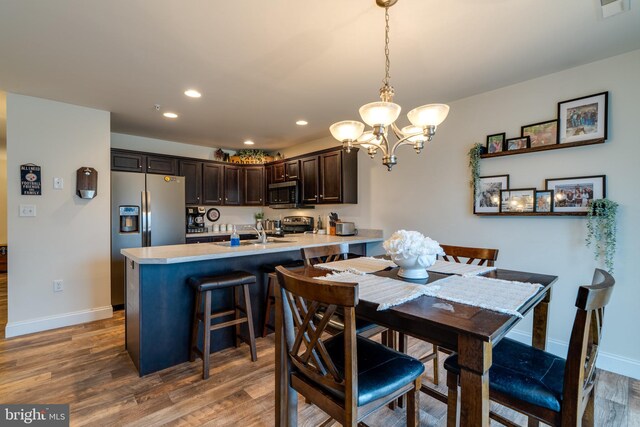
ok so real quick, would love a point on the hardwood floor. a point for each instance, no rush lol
(88, 367)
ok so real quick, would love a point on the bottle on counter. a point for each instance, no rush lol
(235, 237)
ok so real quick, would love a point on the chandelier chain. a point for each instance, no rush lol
(387, 64)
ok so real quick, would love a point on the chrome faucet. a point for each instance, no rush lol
(262, 236)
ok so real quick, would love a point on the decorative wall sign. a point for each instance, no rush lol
(31, 180)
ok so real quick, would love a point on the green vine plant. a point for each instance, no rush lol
(601, 230)
(474, 165)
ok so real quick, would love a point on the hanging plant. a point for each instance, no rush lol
(251, 156)
(601, 230)
(474, 165)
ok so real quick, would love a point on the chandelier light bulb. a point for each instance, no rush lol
(347, 130)
(380, 113)
(428, 115)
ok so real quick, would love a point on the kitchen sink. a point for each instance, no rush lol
(270, 241)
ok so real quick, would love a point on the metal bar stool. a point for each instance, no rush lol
(203, 287)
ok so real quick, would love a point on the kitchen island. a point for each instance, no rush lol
(159, 302)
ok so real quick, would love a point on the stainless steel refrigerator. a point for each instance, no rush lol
(146, 210)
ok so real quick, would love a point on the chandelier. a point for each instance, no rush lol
(381, 116)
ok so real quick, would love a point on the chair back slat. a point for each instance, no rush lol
(302, 297)
(478, 255)
(322, 254)
(580, 369)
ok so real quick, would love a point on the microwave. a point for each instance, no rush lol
(285, 195)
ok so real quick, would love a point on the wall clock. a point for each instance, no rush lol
(213, 214)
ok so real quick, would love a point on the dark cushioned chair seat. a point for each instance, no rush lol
(381, 370)
(210, 283)
(523, 372)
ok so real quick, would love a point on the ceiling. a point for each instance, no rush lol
(262, 65)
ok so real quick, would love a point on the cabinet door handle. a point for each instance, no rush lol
(321, 196)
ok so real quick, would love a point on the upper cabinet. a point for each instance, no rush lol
(232, 185)
(192, 172)
(330, 177)
(162, 165)
(309, 175)
(127, 162)
(253, 185)
(292, 170)
(212, 183)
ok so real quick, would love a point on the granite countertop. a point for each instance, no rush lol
(206, 251)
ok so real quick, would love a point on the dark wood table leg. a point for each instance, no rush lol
(474, 357)
(286, 398)
(540, 322)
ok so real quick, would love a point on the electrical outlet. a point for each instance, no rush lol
(27, 210)
(58, 183)
(57, 286)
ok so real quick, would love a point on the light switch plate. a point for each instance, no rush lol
(27, 210)
(58, 183)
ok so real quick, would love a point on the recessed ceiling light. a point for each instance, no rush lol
(170, 115)
(302, 123)
(248, 142)
(192, 93)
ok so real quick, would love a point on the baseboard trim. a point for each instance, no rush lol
(14, 329)
(607, 361)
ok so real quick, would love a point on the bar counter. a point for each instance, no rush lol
(159, 303)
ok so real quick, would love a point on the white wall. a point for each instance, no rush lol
(430, 193)
(3, 167)
(69, 237)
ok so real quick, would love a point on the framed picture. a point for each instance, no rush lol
(495, 143)
(517, 143)
(544, 201)
(583, 119)
(540, 134)
(517, 200)
(487, 198)
(575, 194)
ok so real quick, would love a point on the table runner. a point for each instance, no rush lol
(358, 265)
(492, 294)
(448, 267)
(384, 291)
(503, 296)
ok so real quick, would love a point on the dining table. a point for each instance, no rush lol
(469, 330)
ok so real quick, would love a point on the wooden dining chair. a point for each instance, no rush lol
(547, 388)
(322, 254)
(345, 375)
(458, 254)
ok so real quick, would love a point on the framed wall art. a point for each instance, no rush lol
(517, 143)
(517, 200)
(583, 119)
(495, 143)
(575, 194)
(487, 199)
(544, 201)
(541, 134)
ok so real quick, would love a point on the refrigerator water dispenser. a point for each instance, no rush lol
(129, 219)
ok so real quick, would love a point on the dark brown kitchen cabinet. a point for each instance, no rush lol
(279, 172)
(162, 165)
(309, 179)
(232, 186)
(192, 172)
(292, 170)
(127, 162)
(331, 177)
(253, 185)
(191, 240)
(212, 183)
